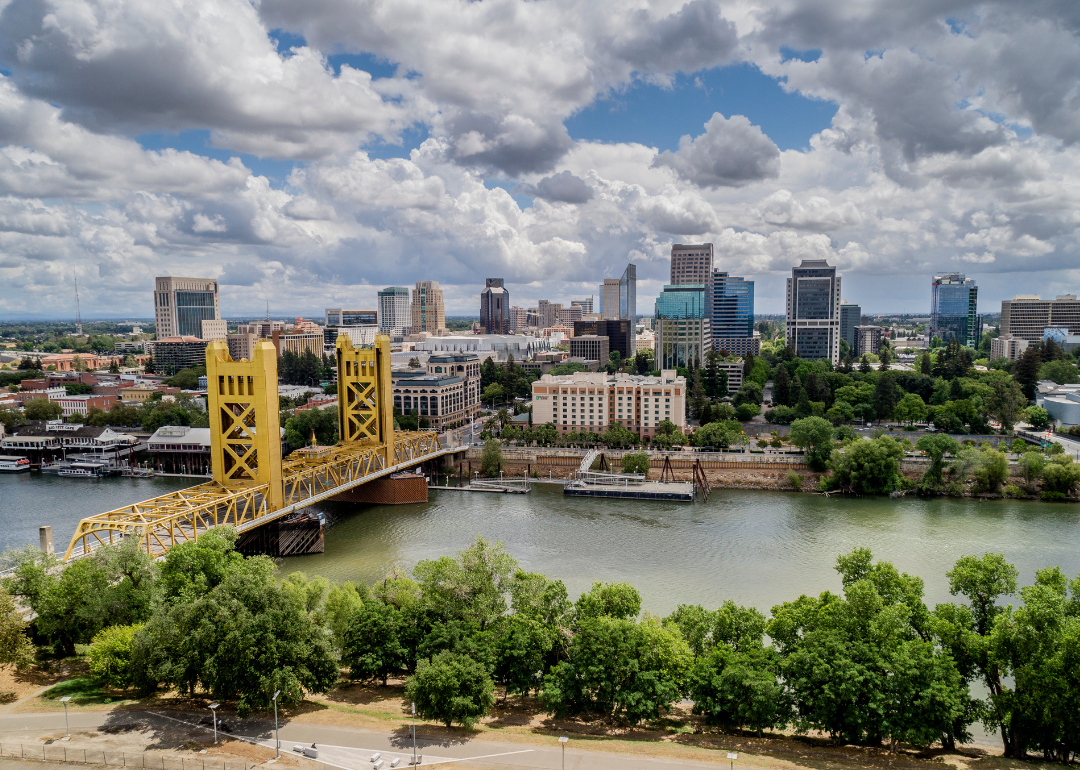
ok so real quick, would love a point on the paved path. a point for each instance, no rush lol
(351, 748)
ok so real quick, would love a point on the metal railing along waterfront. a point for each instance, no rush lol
(57, 752)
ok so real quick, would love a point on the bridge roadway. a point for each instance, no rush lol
(317, 474)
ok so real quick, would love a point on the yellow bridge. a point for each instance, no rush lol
(251, 484)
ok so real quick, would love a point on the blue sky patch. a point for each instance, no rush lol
(657, 117)
(523, 201)
(809, 55)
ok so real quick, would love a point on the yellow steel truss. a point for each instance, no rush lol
(171, 519)
(365, 396)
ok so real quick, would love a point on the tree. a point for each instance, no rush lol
(1038, 418)
(493, 393)
(110, 656)
(722, 434)
(187, 379)
(740, 689)
(864, 364)
(1061, 372)
(1026, 371)
(323, 423)
(862, 667)
(371, 646)
(642, 363)
(911, 408)
(491, 458)
(1006, 402)
(886, 396)
(716, 379)
(697, 398)
(815, 436)
(635, 462)
(1060, 476)
(869, 467)
(990, 468)
(619, 668)
(695, 623)
(241, 641)
(15, 645)
(451, 688)
(611, 600)
(471, 587)
(781, 388)
(935, 446)
(42, 409)
(748, 393)
(747, 412)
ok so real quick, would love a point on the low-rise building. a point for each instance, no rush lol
(298, 343)
(1062, 402)
(733, 367)
(438, 399)
(1008, 346)
(591, 347)
(175, 353)
(590, 402)
(867, 340)
(81, 405)
(242, 346)
(180, 449)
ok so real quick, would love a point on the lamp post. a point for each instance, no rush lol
(414, 733)
(562, 742)
(277, 736)
(213, 716)
(67, 726)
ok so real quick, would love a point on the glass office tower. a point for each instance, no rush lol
(954, 309)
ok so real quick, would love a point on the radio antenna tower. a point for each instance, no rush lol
(78, 310)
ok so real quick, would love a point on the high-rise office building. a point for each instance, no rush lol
(547, 313)
(495, 307)
(609, 298)
(586, 305)
(394, 316)
(813, 310)
(732, 314)
(691, 263)
(342, 317)
(850, 317)
(1027, 316)
(428, 310)
(628, 293)
(519, 318)
(682, 326)
(954, 310)
(182, 304)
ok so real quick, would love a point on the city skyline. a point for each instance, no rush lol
(318, 160)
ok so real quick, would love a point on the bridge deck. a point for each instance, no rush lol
(171, 519)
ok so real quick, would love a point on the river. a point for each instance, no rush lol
(757, 548)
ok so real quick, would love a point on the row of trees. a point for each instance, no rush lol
(872, 665)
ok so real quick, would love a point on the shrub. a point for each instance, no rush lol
(762, 443)
(794, 480)
(491, 458)
(776, 443)
(746, 412)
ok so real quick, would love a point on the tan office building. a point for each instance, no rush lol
(299, 344)
(1026, 316)
(182, 304)
(428, 310)
(592, 401)
(691, 263)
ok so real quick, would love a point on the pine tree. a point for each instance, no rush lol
(782, 386)
(1026, 372)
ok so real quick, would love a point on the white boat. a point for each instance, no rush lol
(13, 464)
(84, 471)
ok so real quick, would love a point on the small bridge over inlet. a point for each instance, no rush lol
(251, 483)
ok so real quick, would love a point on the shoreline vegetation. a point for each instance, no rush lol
(474, 641)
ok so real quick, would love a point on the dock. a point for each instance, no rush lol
(681, 491)
(506, 486)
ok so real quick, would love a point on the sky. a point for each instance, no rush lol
(308, 154)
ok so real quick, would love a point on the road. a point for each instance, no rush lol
(463, 435)
(347, 748)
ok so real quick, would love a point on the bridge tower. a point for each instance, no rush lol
(245, 430)
(365, 395)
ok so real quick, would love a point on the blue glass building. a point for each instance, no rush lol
(953, 309)
(732, 314)
(682, 326)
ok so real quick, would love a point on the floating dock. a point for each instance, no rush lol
(681, 491)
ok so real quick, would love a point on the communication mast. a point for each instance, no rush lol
(78, 310)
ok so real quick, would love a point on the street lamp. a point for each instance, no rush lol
(213, 716)
(67, 726)
(562, 741)
(414, 733)
(277, 736)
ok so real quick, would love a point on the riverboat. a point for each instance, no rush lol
(13, 464)
(84, 470)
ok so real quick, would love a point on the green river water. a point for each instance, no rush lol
(757, 548)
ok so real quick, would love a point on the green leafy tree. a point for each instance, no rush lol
(911, 408)
(194, 568)
(1038, 418)
(619, 668)
(1060, 476)
(612, 600)
(15, 645)
(1006, 402)
(748, 393)
(990, 468)
(747, 412)
(451, 688)
(815, 436)
(722, 434)
(695, 623)
(935, 446)
(491, 458)
(869, 467)
(323, 423)
(740, 689)
(1061, 372)
(371, 646)
(187, 379)
(471, 587)
(240, 641)
(493, 393)
(110, 656)
(635, 462)
(42, 409)
(781, 387)
(342, 602)
(1026, 371)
